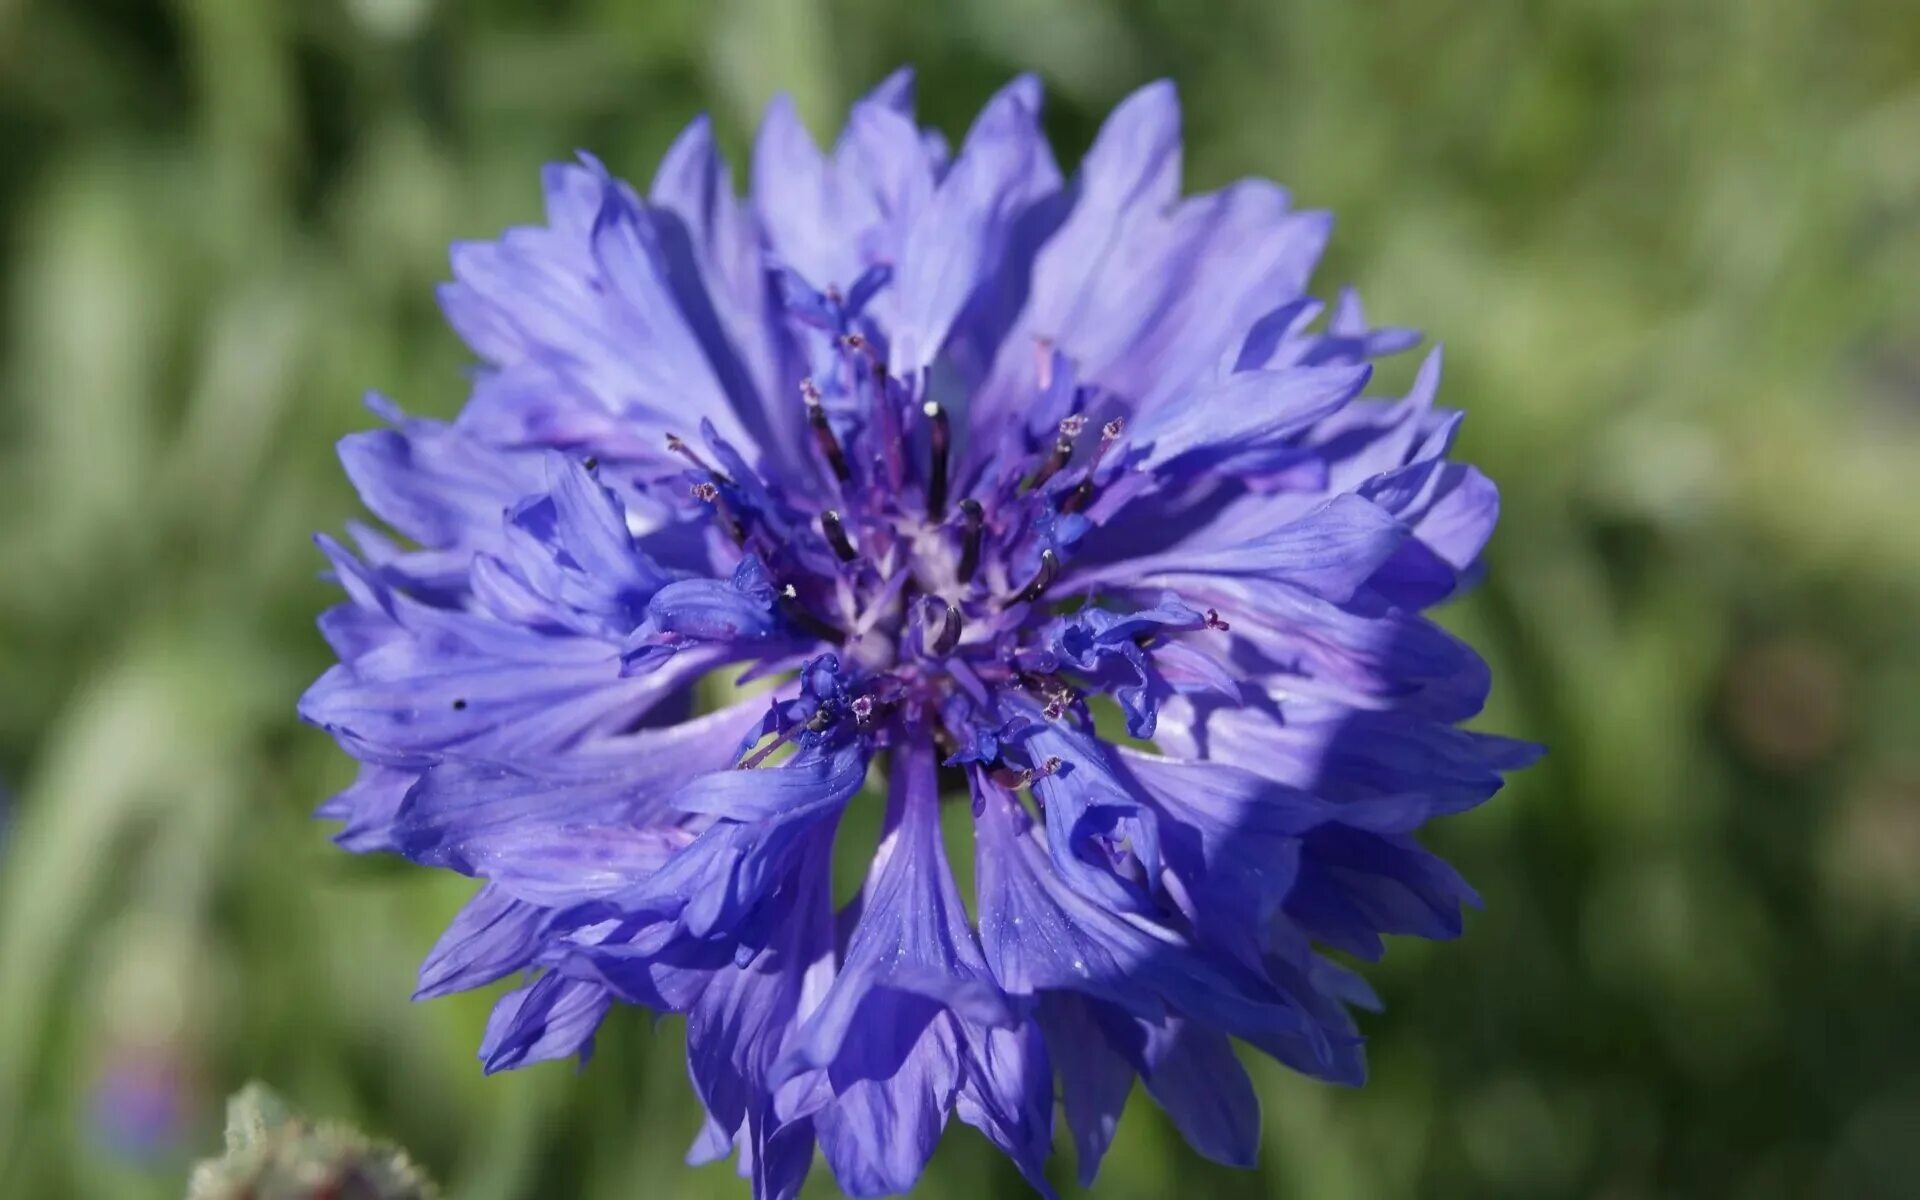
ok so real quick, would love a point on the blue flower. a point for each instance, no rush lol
(961, 454)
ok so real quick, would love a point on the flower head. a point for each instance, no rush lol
(967, 457)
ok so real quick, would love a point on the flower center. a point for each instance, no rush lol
(926, 567)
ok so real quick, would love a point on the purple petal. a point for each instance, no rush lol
(717, 882)
(1007, 1094)
(1330, 552)
(492, 937)
(912, 953)
(744, 1016)
(878, 1133)
(1039, 934)
(1094, 1079)
(1194, 1075)
(554, 1017)
(954, 246)
(1235, 419)
(432, 483)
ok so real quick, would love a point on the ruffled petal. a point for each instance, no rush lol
(553, 1017)
(1007, 1094)
(955, 245)
(495, 935)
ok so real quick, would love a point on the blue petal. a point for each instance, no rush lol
(711, 249)
(911, 954)
(649, 358)
(1131, 173)
(550, 1018)
(1331, 551)
(530, 823)
(1007, 1094)
(1193, 1074)
(718, 881)
(1094, 1079)
(1450, 507)
(731, 612)
(781, 1155)
(1084, 801)
(955, 245)
(1347, 754)
(737, 1027)
(433, 484)
(1039, 934)
(492, 937)
(454, 680)
(1128, 178)
(775, 794)
(1232, 423)
(1358, 654)
(878, 1133)
(1355, 886)
(367, 808)
(798, 206)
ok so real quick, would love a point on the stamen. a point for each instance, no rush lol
(974, 516)
(836, 532)
(823, 436)
(707, 493)
(1109, 434)
(1042, 578)
(1062, 451)
(1013, 780)
(886, 436)
(1082, 493)
(948, 637)
(1214, 621)
(804, 620)
(939, 437)
(817, 724)
(862, 708)
(676, 446)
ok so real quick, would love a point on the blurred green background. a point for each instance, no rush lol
(1673, 251)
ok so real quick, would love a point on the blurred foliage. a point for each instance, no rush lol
(1672, 251)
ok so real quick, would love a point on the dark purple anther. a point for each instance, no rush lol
(823, 436)
(939, 437)
(836, 531)
(1062, 451)
(1042, 578)
(974, 516)
(949, 634)
(804, 620)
